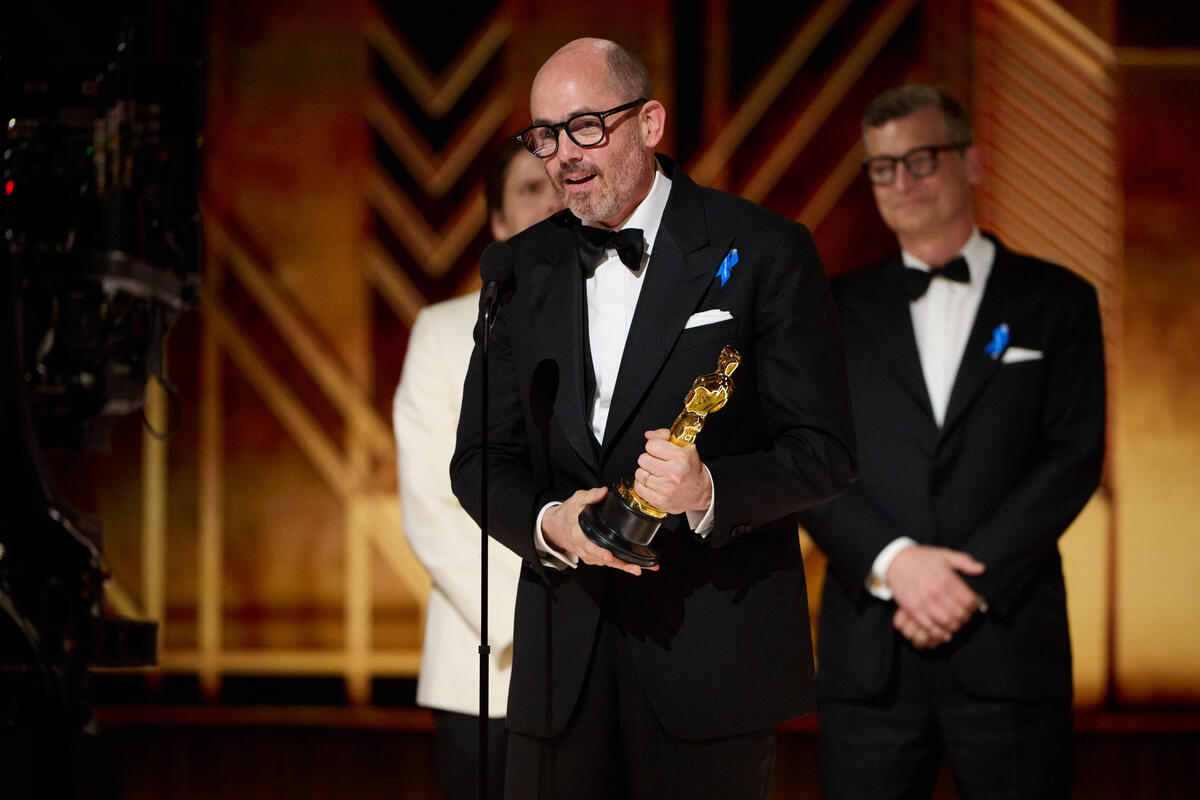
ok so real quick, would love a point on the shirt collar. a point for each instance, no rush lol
(648, 214)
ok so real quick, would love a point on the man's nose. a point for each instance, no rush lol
(903, 177)
(568, 151)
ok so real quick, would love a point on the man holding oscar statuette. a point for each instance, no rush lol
(660, 679)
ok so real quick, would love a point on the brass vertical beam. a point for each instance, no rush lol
(358, 589)
(154, 506)
(358, 603)
(211, 499)
(946, 45)
(717, 73)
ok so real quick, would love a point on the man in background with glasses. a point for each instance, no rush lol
(977, 379)
(667, 680)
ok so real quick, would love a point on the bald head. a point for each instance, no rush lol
(623, 71)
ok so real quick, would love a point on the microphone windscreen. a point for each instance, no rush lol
(496, 264)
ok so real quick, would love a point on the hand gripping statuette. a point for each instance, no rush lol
(623, 522)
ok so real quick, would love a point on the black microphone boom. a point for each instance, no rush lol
(495, 268)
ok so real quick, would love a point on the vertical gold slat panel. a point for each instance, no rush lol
(1045, 118)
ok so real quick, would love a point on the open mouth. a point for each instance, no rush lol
(578, 180)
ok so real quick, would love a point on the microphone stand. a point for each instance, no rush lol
(495, 267)
(484, 648)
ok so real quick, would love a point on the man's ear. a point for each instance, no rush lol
(500, 231)
(974, 161)
(652, 119)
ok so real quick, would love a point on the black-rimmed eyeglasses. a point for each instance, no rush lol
(585, 130)
(921, 162)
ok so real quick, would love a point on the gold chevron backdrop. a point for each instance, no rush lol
(345, 150)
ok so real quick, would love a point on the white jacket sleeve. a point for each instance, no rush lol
(425, 416)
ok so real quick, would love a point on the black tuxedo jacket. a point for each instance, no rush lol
(720, 634)
(1017, 457)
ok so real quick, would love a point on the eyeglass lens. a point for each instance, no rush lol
(919, 163)
(586, 130)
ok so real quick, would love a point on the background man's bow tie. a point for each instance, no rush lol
(592, 242)
(916, 281)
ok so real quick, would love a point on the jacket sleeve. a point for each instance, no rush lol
(803, 395)
(1026, 525)
(515, 493)
(444, 538)
(851, 532)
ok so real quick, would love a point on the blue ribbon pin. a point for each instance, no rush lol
(996, 347)
(731, 259)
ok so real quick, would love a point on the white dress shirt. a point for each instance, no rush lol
(612, 295)
(942, 319)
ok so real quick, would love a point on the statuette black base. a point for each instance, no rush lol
(621, 529)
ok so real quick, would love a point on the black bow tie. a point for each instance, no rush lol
(628, 243)
(916, 281)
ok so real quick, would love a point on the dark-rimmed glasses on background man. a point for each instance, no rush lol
(921, 162)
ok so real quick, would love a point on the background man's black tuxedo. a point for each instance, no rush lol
(719, 635)
(1017, 457)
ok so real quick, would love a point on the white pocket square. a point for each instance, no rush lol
(1015, 355)
(707, 317)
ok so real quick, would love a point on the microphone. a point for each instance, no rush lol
(495, 268)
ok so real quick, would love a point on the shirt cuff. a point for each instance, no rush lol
(877, 580)
(548, 555)
(703, 525)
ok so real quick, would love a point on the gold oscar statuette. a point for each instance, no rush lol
(623, 522)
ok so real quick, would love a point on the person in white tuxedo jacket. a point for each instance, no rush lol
(444, 538)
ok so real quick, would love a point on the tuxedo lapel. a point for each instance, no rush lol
(888, 321)
(1000, 306)
(560, 293)
(680, 272)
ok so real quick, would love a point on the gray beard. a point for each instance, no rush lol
(611, 198)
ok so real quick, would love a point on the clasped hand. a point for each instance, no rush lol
(933, 600)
